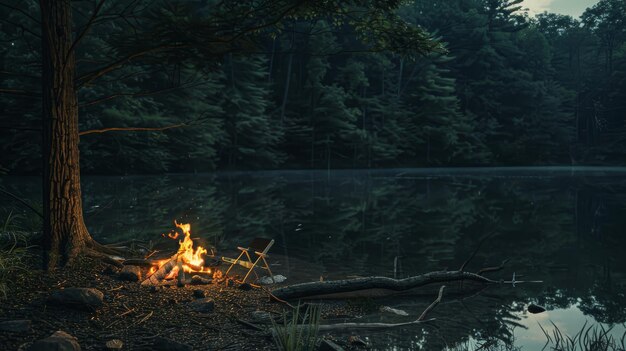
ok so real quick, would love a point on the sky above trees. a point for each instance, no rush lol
(573, 8)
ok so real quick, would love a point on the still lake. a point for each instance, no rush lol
(564, 226)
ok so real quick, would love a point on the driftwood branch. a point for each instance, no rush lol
(329, 287)
(432, 305)
(352, 326)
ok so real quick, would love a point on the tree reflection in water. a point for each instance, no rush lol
(563, 228)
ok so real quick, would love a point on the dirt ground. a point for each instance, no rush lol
(139, 315)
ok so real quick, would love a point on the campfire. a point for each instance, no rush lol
(187, 261)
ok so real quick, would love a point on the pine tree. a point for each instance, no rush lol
(253, 136)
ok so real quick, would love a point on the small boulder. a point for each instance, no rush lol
(79, 298)
(59, 341)
(16, 326)
(200, 280)
(199, 294)
(206, 305)
(534, 309)
(130, 273)
(327, 345)
(165, 344)
(114, 344)
(268, 280)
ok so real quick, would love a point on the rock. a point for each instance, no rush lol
(154, 288)
(199, 280)
(230, 283)
(206, 305)
(130, 273)
(165, 344)
(59, 341)
(534, 309)
(16, 326)
(268, 280)
(327, 345)
(115, 344)
(245, 287)
(199, 294)
(79, 298)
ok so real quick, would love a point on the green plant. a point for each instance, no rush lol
(293, 336)
(588, 338)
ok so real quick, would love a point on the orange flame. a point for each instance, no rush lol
(191, 257)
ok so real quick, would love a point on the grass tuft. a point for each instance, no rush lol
(293, 336)
(13, 252)
(588, 338)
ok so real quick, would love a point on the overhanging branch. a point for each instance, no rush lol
(131, 129)
(138, 94)
(141, 129)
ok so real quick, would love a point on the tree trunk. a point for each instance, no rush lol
(64, 231)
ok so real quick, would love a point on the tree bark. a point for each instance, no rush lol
(64, 232)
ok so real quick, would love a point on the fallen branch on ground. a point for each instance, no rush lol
(329, 288)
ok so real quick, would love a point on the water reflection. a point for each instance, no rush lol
(554, 225)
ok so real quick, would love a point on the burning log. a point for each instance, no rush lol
(181, 273)
(162, 272)
(188, 259)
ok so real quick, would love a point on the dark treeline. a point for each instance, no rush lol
(508, 89)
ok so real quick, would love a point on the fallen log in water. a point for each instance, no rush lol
(161, 273)
(329, 287)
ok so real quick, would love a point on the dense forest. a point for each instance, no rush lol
(502, 88)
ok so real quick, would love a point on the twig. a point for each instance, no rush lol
(115, 289)
(145, 318)
(275, 298)
(432, 305)
(492, 269)
(475, 251)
